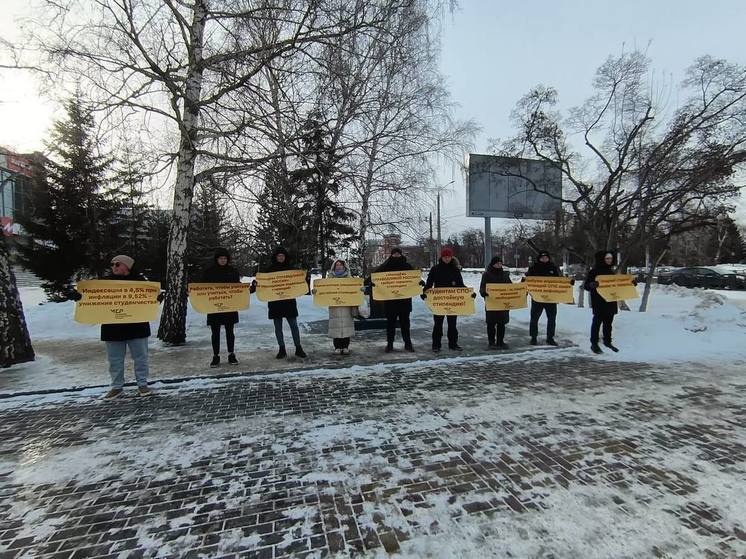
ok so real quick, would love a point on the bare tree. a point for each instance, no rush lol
(187, 63)
(646, 173)
(15, 342)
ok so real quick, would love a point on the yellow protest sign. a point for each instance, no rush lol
(450, 300)
(545, 289)
(617, 287)
(402, 284)
(338, 292)
(209, 298)
(505, 296)
(275, 286)
(117, 301)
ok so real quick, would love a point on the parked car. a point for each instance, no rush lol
(703, 276)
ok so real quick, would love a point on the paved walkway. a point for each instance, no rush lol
(504, 456)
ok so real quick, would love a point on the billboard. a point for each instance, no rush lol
(512, 187)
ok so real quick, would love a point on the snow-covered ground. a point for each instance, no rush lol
(680, 325)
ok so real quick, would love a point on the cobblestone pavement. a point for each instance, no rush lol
(548, 456)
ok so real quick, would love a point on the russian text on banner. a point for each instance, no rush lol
(338, 292)
(549, 289)
(450, 300)
(207, 298)
(275, 286)
(396, 285)
(505, 296)
(617, 287)
(117, 301)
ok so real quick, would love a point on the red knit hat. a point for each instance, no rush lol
(447, 251)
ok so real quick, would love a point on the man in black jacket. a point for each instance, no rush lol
(284, 308)
(603, 310)
(444, 274)
(543, 267)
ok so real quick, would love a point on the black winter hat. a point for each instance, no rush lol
(544, 253)
(495, 260)
(220, 251)
(397, 249)
(280, 250)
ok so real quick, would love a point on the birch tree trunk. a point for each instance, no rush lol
(15, 342)
(172, 328)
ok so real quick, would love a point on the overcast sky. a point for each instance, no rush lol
(493, 52)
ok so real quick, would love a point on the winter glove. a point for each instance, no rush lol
(75, 295)
(572, 281)
(422, 283)
(161, 296)
(523, 279)
(363, 289)
(423, 296)
(372, 284)
(313, 291)
(473, 295)
(252, 287)
(484, 294)
(634, 282)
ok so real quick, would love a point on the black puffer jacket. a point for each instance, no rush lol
(124, 332)
(600, 268)
(221, 274)
(285, 308)
(444, 275)
(543, 268)
(396, 306)
(493, 275)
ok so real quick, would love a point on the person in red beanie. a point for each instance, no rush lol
(444, 274)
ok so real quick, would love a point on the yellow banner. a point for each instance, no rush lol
(207, 298)
(275, 286)
(616, 287)
(117, 301)
(396, 285)
(450, 300)
(505, 296)
(338, 292)
(550, 289)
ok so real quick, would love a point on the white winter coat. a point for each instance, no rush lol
(341, 323)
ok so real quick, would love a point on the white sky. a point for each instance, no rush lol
(493, 52)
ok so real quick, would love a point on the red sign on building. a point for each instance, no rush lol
(7, 224)
(18, 164)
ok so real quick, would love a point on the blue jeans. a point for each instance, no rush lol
(115, 351)
(293, 330)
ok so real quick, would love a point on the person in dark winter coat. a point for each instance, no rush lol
(545, 268)
(396, 309)
(445, 273)
(221, 271)
(119, 337)
(285, 308)
(496, 320)
(603, 311)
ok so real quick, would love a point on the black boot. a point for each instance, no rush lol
(281, 354)
(550, 341)
(595, 349)
(232, 359)
(534, 341)
(409, 347)
(300, 353)
(455, 347)
(611, 346)
(389, 348)
(215, 361)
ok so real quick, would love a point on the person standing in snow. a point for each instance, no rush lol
(341, 319)
(445, 273)
(119, 337)
(396, 309)
(285, 308)
(496, 320)
(545, 268)
(603, 311)
(221, 271)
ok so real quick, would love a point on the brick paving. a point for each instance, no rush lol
(361, 461)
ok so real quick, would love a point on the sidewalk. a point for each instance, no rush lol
(531, 455)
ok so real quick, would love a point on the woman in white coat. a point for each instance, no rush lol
(341, 319)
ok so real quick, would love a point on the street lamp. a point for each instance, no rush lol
(438, 214)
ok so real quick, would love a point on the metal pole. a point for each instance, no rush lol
(487, 241)
(437, 255)
(430, 241)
